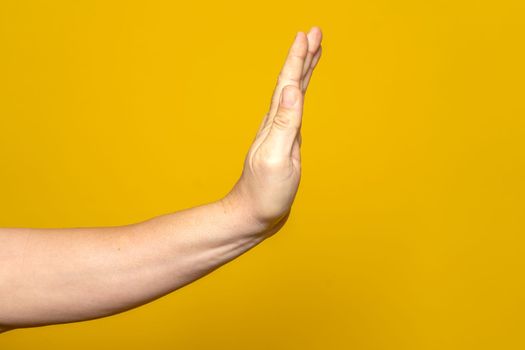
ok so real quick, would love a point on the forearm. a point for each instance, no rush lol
(63, 275)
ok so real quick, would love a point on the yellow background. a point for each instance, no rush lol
(407, 231)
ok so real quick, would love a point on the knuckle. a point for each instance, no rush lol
(285, 120)
(268, 161)
(282, 121)
(284, 79)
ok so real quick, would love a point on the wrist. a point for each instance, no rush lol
(238, 207)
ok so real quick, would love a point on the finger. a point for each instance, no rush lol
(292, 71)
(308, 76)
(286, 123)
(315, 37)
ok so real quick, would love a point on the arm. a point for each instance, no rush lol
(50, 276)
(64, 275)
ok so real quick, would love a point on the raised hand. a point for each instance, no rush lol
(272, 168)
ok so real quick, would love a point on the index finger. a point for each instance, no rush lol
(292, 70)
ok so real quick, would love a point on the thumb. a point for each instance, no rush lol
(286, 123)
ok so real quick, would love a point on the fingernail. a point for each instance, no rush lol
(289, 97)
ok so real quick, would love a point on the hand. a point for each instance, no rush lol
(272, 167)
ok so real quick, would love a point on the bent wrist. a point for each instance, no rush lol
(242, 216)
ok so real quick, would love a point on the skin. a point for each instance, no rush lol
(52, 276)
